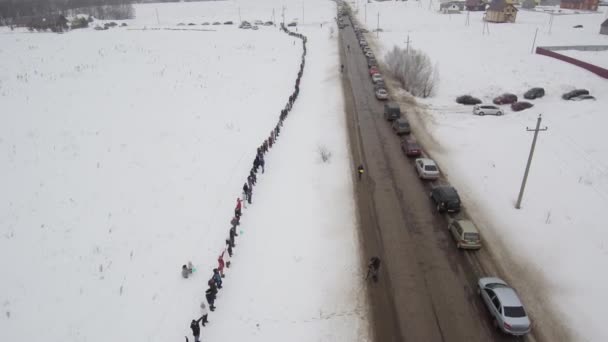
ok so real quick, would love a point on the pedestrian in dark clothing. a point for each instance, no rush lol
(229, 249)
(249, 195)
(210, 296)
(262, 163)
(217, 278)
(250, 184)
(196, 330)
(232, 235)
(373, 267)
(270, 141)
(245, 190)
(235, 222)
(254, 178)
(360, 171)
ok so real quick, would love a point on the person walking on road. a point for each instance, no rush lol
(360, 171)
(372, 268)
(342, 68)
(232, 235)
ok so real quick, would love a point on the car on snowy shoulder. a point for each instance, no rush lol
(575, 93)
(426, 168)
(505, 98)
(377, 78)
(373, 70)
(382, 94)
(293, 23)
(465, 233)
(445, 198)
(534, 93)
(508, 313)
(411, 148)
(401, 126)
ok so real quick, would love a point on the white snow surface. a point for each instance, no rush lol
(123, 152)
(555, 249)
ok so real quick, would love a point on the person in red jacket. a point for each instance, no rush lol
(220, 264)
(237, 210)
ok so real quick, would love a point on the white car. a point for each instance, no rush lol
(508, 313)
(427, 168)
(362, 42)
(381, 94)
(487, 110)
(377, 78)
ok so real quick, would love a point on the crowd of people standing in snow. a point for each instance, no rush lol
(215, 282)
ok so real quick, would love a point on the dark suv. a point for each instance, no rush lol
(446, 199)
(392, 111)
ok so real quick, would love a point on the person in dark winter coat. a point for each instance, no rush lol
(232, 235)
(229, 249)
(217, 278)
(262, 163)
(210, 296)
(186, 271)
(254, 178)
(235, 222)
(196, 330)
(246, 192)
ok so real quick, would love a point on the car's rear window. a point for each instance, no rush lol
(430, 168)
(488, 107)
(515, 311)
(471, 236)
(403, 125)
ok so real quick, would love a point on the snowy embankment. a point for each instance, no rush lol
(555, 248)
(123, 152)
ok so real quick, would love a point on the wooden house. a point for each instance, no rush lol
(500, 11)
(584, 5)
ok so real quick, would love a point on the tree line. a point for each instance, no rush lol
(101, 9)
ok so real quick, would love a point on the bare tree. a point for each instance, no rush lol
(414, 70)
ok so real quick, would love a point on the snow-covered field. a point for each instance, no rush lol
(556, 246)
(122, 154)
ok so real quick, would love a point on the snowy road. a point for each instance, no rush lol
(428, 288)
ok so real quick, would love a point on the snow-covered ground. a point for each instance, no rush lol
(122, 154)
(556, 246)
(599, 58)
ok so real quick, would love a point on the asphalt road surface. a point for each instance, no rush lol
(427, 287)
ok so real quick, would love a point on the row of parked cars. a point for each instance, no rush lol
(501, 300)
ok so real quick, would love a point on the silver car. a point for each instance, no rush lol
(381, 94)
(487, 110)
(377, 78)
(504, 305)
(426, 168)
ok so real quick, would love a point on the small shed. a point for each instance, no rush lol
(604, 27)
(475, 5)
(529, 4)
(500, 11)
(451, 7)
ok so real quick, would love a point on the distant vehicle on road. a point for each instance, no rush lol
(401, 126)
(377, 78)
(382, 94)
(392, 111)
(465, 233)
(411, 148)
(373, 70)
(487, 110)
(427, 168)
(504, 305)
(446, 199)
(369, 54)
(293, 23)
(217, 23)
(228, 23)
(521, 105)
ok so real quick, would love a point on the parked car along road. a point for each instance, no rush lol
(401, 126)
(465, 233)
(411, 148)
(426, 168)
(487, 110)
(574, 93)
(504, 305)
(446, 199)
(392, 111)
(505, 99)
(382, 94)
(377, 78)
(534, 93)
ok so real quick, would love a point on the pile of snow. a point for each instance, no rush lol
(123, 152)
(556, 246)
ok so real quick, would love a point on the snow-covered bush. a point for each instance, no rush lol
(414, 70)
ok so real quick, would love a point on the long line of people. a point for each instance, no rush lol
(215, 282)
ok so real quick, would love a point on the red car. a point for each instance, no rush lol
(373, 70)
(411, 148)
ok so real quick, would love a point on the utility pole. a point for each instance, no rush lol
(550, 22)
(378, 28)
(523, 183)
(468, 21)
(486, 28)
(534, 41)
(366, 13)
(302, 12)
(273, 18)
(157, 18)
(283, 15)
(407, 49)
(430, 4)
(240, 20)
